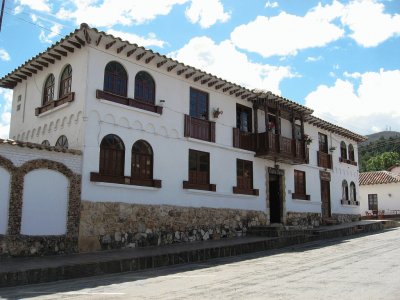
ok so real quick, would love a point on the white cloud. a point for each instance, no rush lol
(111, 12)
(314, 58)
(38, 5)
(5, 112)
(369, 24)
(46, 38)
(150, 40)
(286, 34)
(373, 104)
(271, 4)
(206, 12)
(354, 75)
(4, 55)
(225, 61)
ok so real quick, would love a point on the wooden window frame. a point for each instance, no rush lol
(371, 199)
(300, 191)
(323, 142)
(343, 150)
(112, 157)
(193, 175)
(243, 187)
(114, 82)
(205, 115)
(145, 88)
(65, 82)
(242, 108)
(48, 89)
(62, 142)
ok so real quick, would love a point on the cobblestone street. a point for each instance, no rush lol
(362, 267)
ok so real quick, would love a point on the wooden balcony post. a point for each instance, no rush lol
(266, 126)
(255, 109)
(293, 135)
(278, 130)
(302, 135)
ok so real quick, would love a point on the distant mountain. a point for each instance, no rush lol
(376, 136)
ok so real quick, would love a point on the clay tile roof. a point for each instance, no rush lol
(38, 146)
(378, 177)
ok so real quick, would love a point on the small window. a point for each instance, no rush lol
(345, 190)
(18, 107)
(48, 92)
(243, 118)
(373, 202)
(46, 143)
(199, 168)
(244, 174)
(323, 142)
(343, 150)
(62, 142)
(198, 104)
(19, 98)
(66, 81)
(353, 192)
(142, 161)
(115, 79)
(351, 153)
(300, 186)
(145, 89)
(112, 156)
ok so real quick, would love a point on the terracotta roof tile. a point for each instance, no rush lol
(378, 177)
(39, 146)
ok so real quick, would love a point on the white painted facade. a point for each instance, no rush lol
(388, 197)
(86, 120)
(4, 199)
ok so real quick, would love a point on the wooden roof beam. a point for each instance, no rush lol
(68, 48)
(21, 76)
(58, 57)
(161, 63)
(240, 93)
(233, 91)
(140, 56)
(130, 52)
(246, 96)
(16, 79)
(99, 39)
(87, 36)
(44, 64)
(210, 84)
(205, 80)
(218, 86)
(170, 68)
(181, 71)
(190, 74)
(227, 88)
(108, 45)
(119, 49)
(77, 45)
(50, 60)
(149, 59)
(197, 78)
(82, 42)
(26, 73)
(31, 70)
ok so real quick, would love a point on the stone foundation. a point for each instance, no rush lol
(119, 225)
(346, 218)
(303, 220)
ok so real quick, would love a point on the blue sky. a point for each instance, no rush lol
(340, 58)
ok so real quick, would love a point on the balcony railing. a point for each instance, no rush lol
(324, 160)
(199, 129)
(243, 140)
(55, 103)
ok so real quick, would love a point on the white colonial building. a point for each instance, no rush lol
(172, 153)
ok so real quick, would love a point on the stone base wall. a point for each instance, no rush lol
(119, 225)
(303, 220)
(346, 218)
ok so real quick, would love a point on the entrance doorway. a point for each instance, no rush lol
(275, 198)
(325, 199)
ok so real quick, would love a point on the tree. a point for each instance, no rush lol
(383, 161)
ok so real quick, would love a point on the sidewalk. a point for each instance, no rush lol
(20, 271)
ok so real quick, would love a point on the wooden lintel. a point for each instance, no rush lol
(234, 91)
(68, 48)
(197, 78)
(181, 71)
(82, 42)
(205, 80)
(189, 75)
(149, 59)
(130, 52)
(77, 45)
(227, 88)
(210, 84)
(44, 64)
(218, 86)
(26, 73)
(140, 56)
(56, 56)
(119, 49)
(159, 64)
(21, 76)
(110, 44)
(87, 36)
(16, 79)
(31, 70)
(170, 68)
(50, 60)
(99, 39)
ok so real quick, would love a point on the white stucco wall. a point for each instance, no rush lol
(388, 196)
(45, 203)
(4, 199)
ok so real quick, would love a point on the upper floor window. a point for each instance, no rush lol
(142, 160)
(66, 81)
(351, 153)
(145, 89)
(115, 79)
(62, 142)
(48, 92)
(343, 150)
(243, 118)
(345, 190)
(198, 104)
(112, 156)
(323, 142)
(353, 192)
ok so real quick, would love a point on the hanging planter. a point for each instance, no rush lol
(216, 112)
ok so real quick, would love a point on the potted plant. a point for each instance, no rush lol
(307, 139)
(216, 112)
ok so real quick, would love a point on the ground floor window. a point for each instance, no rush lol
(300, 186)
(199, 171)
(372, 201)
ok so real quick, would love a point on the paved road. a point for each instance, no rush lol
(365, 267)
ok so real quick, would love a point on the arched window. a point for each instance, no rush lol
(62, 142)
(345, 190)
(145, 87)
(48, 91)
(343, 150)
(66, 81)
(112, 156)
(351, 153)
(142, 161)
(115, 79)
(353, 193)
(46, 143)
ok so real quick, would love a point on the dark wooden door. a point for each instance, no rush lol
(325, 199)
(275, 199)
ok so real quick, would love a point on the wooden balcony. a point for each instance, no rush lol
(324, 160)
(199, 129)
(55, 103)
(271, 146)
